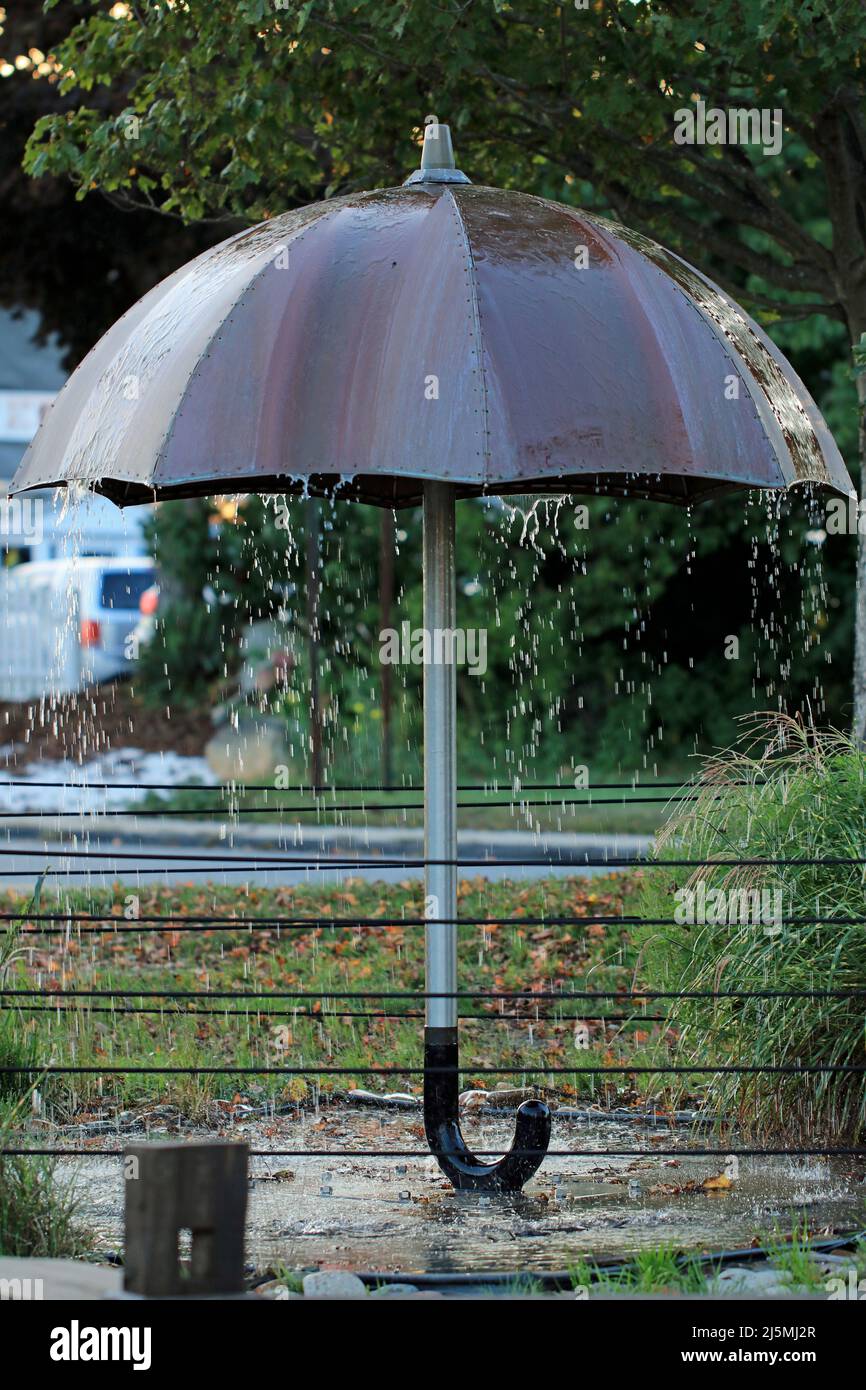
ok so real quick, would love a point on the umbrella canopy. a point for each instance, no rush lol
(499, 342)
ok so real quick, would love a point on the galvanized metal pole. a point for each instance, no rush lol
(441, 1043)
(440, 755)
(387, 542)
(312, 523)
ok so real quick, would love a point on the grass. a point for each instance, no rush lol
(530, 951)
(291, 1278)
(17, 1046)
(660, 1270)
(38, 1211)
(797, 794)
(17, 1049)
(791, 1255)
(666, 1269)
(786, 791)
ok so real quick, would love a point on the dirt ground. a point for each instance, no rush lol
(107, 717)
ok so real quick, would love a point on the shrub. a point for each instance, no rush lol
(38, 1213)
(785, 791)
(38, 1210)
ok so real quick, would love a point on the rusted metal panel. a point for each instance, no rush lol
(356, 357)
(494, 340)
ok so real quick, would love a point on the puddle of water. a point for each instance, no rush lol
(401, 1216)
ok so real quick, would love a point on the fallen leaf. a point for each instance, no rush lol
(717, 1184)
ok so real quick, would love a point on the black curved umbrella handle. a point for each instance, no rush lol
(458, 1163)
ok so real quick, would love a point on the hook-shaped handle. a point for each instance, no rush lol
(442, 1125)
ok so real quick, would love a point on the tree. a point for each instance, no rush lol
(79, 263)
(245, 109)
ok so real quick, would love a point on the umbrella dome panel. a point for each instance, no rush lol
(784, 405)
(601, 368)
(357, 347)
(109, 422)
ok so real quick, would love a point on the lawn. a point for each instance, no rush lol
(379, 949)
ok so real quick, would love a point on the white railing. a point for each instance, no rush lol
(40, 652)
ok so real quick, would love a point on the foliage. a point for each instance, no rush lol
(662, 1268)
(644, 683)
(244, 108)
(239, 111)
(37, 1212)
(785, 793)
(17, 1049)
(80, 264)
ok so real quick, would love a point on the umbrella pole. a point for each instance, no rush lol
(440, 759)
(441, 1058)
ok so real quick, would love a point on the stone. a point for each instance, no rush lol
(761, 1281)
(472, 1100)
(507, 1096)
(394, 1291)
(250, 753)
(334, 1283)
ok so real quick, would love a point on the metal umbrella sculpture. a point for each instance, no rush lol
(422, 344)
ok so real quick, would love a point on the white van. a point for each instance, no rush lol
(64, 624)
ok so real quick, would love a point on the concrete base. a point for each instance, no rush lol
(30, 1280)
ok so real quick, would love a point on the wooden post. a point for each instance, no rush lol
(170, 1188)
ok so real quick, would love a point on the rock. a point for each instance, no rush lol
(472, 1100)
(400, 1100)
(250, 753)
(334, 1283)
(507, 1096)
(762, 1281)
(359, 1097)
(268, 653)
(394, 1291)
(274, 1289)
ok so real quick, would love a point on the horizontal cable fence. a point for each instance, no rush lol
(328, 1004)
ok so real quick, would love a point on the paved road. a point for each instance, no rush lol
(70, 854)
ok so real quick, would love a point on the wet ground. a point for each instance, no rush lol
(399, 1215)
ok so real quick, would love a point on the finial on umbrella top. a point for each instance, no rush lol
(437, 156)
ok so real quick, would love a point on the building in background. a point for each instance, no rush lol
(38, 526)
